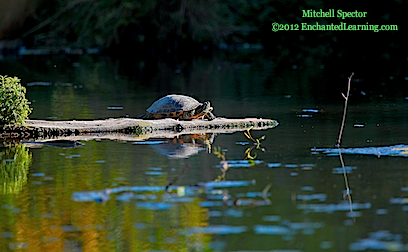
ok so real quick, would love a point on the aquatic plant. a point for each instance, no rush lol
(14, 107)
(257, 145)
(220, 154)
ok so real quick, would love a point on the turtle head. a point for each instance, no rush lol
(204, 111)
(204, 108)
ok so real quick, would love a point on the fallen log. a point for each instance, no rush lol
(128, 128)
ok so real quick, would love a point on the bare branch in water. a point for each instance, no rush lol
(343, 122)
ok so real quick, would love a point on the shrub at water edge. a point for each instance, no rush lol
(14, 107)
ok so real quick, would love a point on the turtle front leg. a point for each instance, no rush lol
(210, 116)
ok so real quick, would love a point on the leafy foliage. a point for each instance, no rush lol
(14, 107)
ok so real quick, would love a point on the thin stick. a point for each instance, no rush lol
(343, 122)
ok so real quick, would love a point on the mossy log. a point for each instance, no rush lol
(128, 128)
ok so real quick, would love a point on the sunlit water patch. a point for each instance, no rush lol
(155, 171)
(341, 170)
(240, 163)
(104, 195)
(330, 208)
(291, 165)
(219, 230)
(382, 240)
(396, 150)
(154, 205)
(318, 196)
(242, 143)
(150, 142)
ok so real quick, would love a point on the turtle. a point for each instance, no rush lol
(178, 107)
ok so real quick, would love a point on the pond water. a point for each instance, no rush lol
(105, 195)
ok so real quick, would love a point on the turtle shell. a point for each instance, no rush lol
(173, 105)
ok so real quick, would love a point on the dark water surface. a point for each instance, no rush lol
(111, 196)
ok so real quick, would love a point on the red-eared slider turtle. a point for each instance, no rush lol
(179, 107)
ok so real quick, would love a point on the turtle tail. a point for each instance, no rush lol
(147, 115)
(144, 116)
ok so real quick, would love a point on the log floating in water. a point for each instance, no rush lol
(138, 128)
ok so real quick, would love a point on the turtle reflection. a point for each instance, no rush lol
(185, 146)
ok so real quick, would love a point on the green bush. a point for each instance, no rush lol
(14, 107)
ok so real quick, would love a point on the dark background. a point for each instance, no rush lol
(180, 25)
(180, 30)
